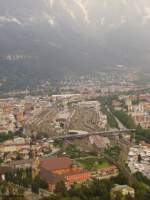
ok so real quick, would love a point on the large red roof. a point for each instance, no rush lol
(55, 163)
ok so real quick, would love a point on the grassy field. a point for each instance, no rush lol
(93, 163)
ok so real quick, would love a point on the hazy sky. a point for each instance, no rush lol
(76, 34)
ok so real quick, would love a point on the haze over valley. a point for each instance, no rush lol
(44, 39)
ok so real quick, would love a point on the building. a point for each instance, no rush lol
(63, 118)
(90, 105)
(117, 105)
(108, 171)
(68, 97)
(35, 167)
(54, 170)
(19, 116)
(99, 141)
(140, 113)
(122, 191)
(139, 159)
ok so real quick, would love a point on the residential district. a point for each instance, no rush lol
(89, 141)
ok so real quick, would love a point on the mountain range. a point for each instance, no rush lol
(51, 38)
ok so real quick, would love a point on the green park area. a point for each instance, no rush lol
(93, 163)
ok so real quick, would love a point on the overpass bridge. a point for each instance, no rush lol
(85, 135)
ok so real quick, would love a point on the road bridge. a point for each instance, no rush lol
(103, 133)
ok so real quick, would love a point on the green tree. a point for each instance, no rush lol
(129, 197)
(35, 187)
(139, 158)
(126, 119)
(142, 134)
(61, 188)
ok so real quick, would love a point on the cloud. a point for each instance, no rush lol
(102, 21)
(123, 19)
(49, 3)
(146, 17)
(69, 10)
(124, 2)
(4, 19)
(50, 19)
(84, 10)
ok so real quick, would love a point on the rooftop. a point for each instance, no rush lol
(55, 163)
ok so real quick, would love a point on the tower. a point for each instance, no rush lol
(35, 167)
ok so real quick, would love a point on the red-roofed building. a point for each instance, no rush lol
(108, 171)
(54, 170)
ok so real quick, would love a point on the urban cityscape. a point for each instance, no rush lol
(74, 100)
(90, 130)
